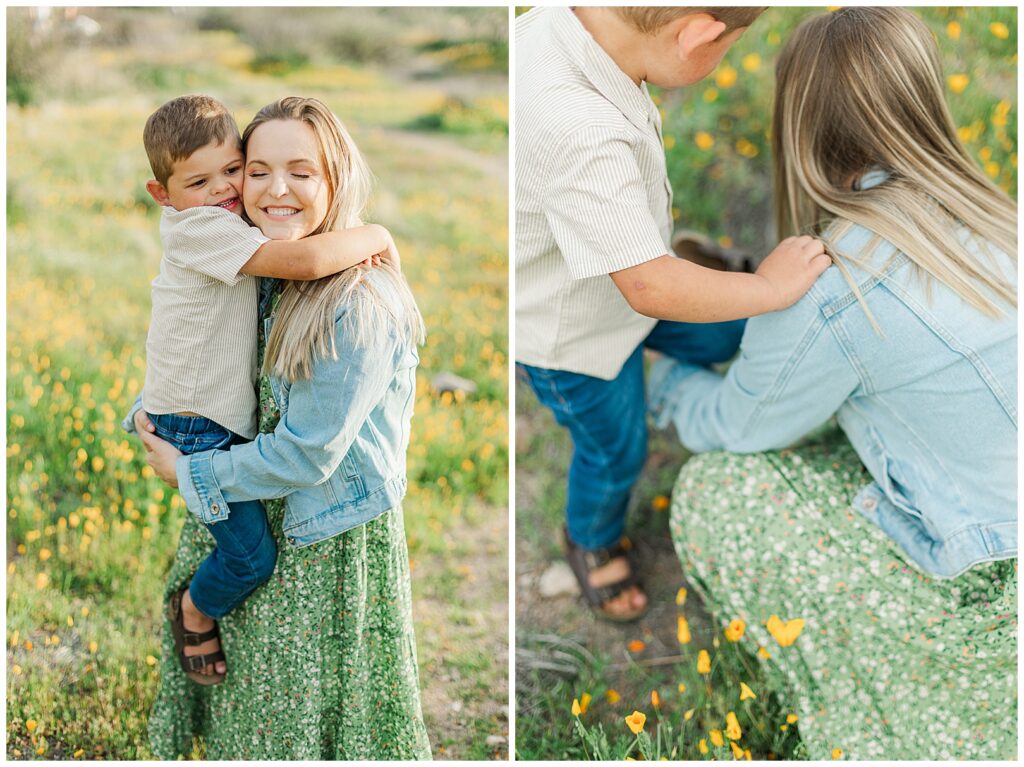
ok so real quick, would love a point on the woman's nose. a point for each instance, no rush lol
(278, 188)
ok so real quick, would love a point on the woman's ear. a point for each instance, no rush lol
(695, 30)
(158, 192)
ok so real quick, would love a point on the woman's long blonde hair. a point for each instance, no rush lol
(305, 317)
(862, 88)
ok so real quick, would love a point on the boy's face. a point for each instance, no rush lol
(675, 71)
(212, 175)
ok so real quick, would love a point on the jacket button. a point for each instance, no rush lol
(215, 509)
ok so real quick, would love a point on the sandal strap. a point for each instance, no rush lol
(583, 561)
(192, 639)
(199, 662)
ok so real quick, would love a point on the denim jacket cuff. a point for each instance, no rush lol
(665, 376)
(198, 487)
(128, 424)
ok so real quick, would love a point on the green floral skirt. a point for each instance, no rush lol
(321, 659)
(891, 663)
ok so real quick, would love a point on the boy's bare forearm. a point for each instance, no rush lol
(669, 288)
(319, 255)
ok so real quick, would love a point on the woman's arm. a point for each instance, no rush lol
(791, 376)
(324, 415)
(322, 254)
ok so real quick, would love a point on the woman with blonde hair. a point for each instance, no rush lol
(887, 549)
(321, 661)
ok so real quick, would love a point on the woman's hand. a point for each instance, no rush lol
(160, 455)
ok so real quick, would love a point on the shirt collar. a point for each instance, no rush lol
(600, 69)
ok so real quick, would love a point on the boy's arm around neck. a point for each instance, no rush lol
(669, 288)
(321, 255)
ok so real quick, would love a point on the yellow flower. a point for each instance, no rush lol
(688, 715)
(704, 140)
(45, 554)
(670, 141)
(612, 696)
(747, 755)
(746, 149)
(999, 29)
(78, 754)
(31, 725)
(681, 596)
(735, 630)
(837, 753)
(576, 710)
(42, 581)
(792, 719)
(702, 746)
(660, 502)
(785, 633)
(992, 169)
(964, 134)
(953, 30)
(746, 693)
(725, 77)
(635, 722)
(784, 727)
(703, 662)
(655, 699)
(636, 645)
(957, 83)
(681, 687)
(985, 153)
(585, 699)
(732, 726)
(710, 94)
(93, 647)
(737, 752)
(716, 738)
(751, 62)
(682, 630)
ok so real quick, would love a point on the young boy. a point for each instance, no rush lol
(201, 351)
(595, 283)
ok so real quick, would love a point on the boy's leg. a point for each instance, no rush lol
(699, 344)
(606, 420)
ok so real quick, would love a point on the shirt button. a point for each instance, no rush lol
(215, 509)
(870, 504)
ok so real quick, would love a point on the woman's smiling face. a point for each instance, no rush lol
(286, 192)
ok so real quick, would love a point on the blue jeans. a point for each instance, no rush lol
(245, 554)
(607, 422)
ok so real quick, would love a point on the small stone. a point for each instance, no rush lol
(496, 740)
(558, 580)
(447, 381)
(456, 706)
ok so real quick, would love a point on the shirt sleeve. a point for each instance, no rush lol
(210, 241)
(596, 203)
(791, 376)
(325, 413)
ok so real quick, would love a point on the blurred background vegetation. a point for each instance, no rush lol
(90, 531)
(717, 146)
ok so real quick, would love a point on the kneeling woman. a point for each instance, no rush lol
(897, 543)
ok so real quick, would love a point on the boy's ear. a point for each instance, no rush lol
(158, 192)
(695, 30)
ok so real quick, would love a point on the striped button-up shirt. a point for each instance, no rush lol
(201, 348)
(592, 197)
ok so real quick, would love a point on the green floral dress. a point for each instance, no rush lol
(321, 659)
(891, 663)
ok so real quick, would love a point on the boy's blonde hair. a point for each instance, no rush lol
(305, 316)
(649, 19)
(183, 125)
(862, 88)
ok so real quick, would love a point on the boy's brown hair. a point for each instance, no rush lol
(649, 19)
(183, 125)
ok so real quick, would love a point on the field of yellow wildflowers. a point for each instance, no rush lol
(90, 531)
(682, 684)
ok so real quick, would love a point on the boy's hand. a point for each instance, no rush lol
(390, 255)
(143, 424)
(791, 269)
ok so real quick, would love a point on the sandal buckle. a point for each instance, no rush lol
(191, 639)
(195, 662)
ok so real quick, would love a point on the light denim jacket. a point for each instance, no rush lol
(930, 408)
(338, 454)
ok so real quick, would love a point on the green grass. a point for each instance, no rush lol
(723, 189)
(90, 531)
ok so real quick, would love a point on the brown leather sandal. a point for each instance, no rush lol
(192, 665)
(703, 251)
(584, 561)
